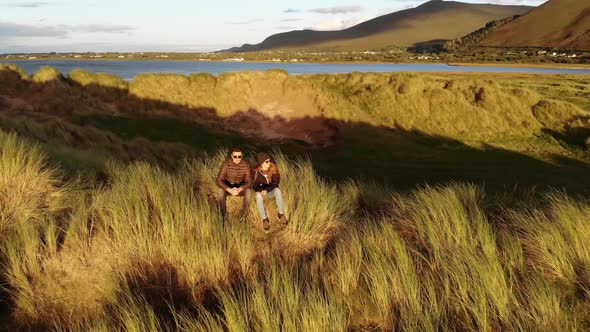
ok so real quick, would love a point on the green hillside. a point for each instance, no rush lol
(556, 23)
(433, 20)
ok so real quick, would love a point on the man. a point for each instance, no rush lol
(234, 179)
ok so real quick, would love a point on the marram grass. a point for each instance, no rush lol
(146, 250)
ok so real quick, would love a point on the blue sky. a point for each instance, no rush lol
(177, 25)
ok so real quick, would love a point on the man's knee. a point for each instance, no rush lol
(247, 195)
(258, 196)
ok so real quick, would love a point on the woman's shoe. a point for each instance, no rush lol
(266, 224)
(282, 219)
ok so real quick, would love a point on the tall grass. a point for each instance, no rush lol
(85, 78)
(14, 68)
(29, 189)
(146, 250)
(46, 74)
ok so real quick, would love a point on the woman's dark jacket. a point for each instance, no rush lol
(259, 182)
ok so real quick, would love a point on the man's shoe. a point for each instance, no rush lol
(266, 224)
(282, 219)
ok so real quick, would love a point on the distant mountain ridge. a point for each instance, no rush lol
(556, 23)
(433, 20)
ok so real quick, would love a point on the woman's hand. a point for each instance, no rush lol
(264, 193)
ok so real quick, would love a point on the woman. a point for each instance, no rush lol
(265, 182)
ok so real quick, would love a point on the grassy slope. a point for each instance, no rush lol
(557, 23)
(431, 21)
(153, 249)
(366, 256)
(397, 129)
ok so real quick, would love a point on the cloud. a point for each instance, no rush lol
(97, 28)
(29, 4)
(337, 10)
(256, 20)
(11, 30)
(340, 24)
(15, 30)
(291, 20)
(291, 11)
(70, 46)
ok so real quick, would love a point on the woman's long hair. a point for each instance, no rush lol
(272, 170)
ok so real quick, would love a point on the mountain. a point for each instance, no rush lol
(433, 20)
(557, 23)
(474, 38)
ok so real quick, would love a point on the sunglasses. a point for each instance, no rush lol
(236, 157)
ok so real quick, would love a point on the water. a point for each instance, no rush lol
(128, 69)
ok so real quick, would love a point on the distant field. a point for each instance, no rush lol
(394, 54)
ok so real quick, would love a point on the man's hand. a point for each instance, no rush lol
(232, 191)
(264, 193)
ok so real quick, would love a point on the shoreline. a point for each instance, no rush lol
(580, 66)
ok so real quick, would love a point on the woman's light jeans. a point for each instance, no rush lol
(276, 194)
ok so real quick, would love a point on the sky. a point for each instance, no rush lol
(177, 25)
